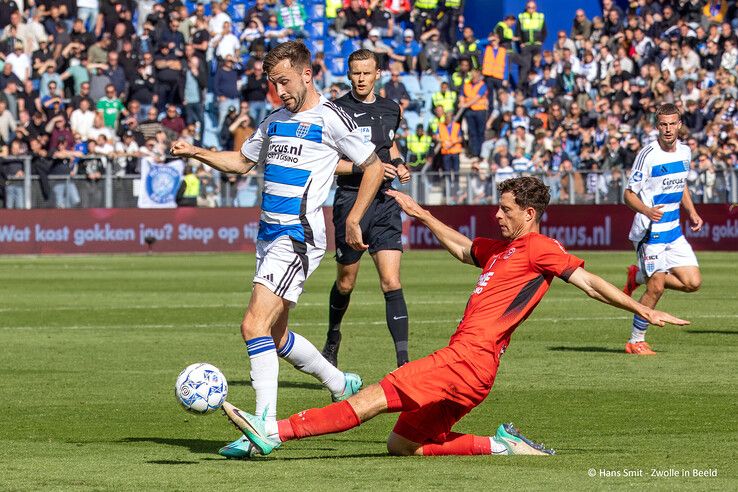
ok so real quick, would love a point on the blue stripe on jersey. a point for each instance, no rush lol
(670, 216)
(281, 204)
(665, 237)
(666, 198)
(668, 168)
(270, 232)
(306, 131)
(286, 175)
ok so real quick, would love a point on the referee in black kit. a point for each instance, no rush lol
(378, 119)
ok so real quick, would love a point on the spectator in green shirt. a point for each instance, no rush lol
(110, 107)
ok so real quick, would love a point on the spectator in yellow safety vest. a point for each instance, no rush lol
(531, 29)
(446, 98)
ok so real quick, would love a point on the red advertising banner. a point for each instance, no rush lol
(585, 227)
(120, 230)
(589, 227)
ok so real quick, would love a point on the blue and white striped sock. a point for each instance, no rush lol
(264, 374)
(640, 325)
(302, 354)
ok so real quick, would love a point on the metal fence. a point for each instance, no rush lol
(115, 190)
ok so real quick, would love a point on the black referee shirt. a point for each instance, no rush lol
(378, 121)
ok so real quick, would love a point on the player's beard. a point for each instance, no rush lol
(295, 102)
(668, 144)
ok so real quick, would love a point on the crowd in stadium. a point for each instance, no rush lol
(124, 78)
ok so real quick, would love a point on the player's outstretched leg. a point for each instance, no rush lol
(507, 441)
(338, 417)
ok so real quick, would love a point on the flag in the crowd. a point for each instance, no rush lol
(159, 183)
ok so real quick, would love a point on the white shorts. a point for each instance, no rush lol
(283, 265)
(653, 258)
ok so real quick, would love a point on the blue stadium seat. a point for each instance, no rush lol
(412, 118)
(316, 11)
(430, 83)
(331, 48)
(337, 65)
(315, 29)
(411, 84)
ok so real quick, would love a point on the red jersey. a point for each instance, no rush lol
(515, 276)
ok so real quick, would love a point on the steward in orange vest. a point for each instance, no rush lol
(494, 67)
(450, 136)
(476, 102)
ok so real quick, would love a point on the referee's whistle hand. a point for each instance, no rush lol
(354, 237)
(390, 171)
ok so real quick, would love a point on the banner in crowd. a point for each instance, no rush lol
(583, 227)
(578, 227)
(159, 183)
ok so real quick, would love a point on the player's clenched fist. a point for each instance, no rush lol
(180, 148)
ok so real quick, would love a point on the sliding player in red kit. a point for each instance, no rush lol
(435, 392)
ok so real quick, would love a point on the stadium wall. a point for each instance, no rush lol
(482, 15)
(86, 231)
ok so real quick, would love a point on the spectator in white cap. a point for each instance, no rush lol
(375, 43)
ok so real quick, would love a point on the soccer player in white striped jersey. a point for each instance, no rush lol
(656, 189)
(299, 146)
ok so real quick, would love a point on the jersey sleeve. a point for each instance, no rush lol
(346, 136)
(251, 148)
(641, 171)
(483, 249)
(548, 257)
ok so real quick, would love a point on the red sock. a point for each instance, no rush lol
(459, 445)
(337, 417)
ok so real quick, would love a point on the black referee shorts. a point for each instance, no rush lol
(381, 226)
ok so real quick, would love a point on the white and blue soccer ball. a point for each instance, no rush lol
(201, 388)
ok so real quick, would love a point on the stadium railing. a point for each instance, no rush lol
(115, 190)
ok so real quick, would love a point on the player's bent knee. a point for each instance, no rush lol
(692, 285)
(399, 446)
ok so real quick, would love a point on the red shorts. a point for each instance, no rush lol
(435, 392)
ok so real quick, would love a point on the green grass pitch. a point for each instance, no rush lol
(91, 347)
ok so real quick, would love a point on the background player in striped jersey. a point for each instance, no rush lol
(656, 188)
(299, 145)
(378, 118)
(435, 392)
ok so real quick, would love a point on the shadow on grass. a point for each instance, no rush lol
(208, 446)
(713, 332)
(587, 349)
(282, 384)
(170, 462)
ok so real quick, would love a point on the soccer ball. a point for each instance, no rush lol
(201, 388)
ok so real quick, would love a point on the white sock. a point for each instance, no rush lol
(640, 278)
(640, 325)
(272, 430)
(302, 354)
(264, 375)
(497, 447)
